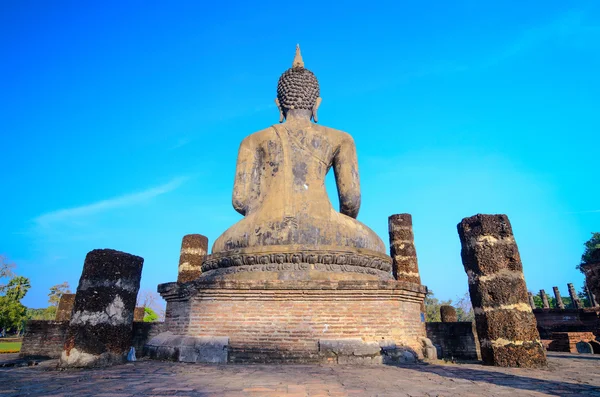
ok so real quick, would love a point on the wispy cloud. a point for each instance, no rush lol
(103, 205)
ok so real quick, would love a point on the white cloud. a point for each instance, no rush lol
(116, 202)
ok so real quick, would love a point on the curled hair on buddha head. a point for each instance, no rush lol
(298, 88)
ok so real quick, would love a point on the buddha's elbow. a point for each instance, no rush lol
(350, 205)
(240, 206)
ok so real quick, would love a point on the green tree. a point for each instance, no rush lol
(150, 315)
(591, 246)
(17, 288)
(56, 292)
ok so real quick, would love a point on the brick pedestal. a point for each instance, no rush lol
(285, 321)
(506, 326)
(100, 328)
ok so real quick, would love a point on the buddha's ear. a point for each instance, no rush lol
(314, 109)
(281, 115)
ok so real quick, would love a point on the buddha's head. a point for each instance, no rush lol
(298, 92)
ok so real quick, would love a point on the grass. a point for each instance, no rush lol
(10, 347)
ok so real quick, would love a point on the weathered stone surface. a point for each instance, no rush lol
(193, 253)
(590, 296)
(592, 278)
(506, 326)
(139, 313)
(544, 297)
(100, 328)
(65, 307)
(448, 314)
(290, 229)
(402, 248)
(189, 349)
(558, 298)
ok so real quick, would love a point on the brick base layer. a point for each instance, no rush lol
(284, 320)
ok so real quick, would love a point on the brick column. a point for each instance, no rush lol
(65, 307)
(531, 301)
(448, 314)
(506, 326)
(559, 302)
(138, 314)
(574, 298)
(402, 248)
(590, 296)
(544, 297)
(192, 254)
(100, 329)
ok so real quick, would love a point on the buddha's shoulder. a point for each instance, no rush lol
(336, 134)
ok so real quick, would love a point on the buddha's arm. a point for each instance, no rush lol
(243, 175)
(345, 167)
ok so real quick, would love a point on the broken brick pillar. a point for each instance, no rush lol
(559, 302)
(192, 255)
(544, 297)
(448, 314)
(138, 314)
(100, 329)
(506, 326)
(531, 301)
(574, 298)
(590, 296)
(65, 307)
(402, 248)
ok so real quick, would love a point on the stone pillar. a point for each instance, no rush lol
(590, 296)
(402, 249)
(138, 314)
(65, 307)
(559, 302)
(592, 277)
(100, 329)
(531, 301)
(574, 298)
(506, 326)
(448, 314)
(545, 304)
(192, 254)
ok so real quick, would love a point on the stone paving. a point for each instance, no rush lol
(567, 375)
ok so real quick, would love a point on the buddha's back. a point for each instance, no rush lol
(290, 228)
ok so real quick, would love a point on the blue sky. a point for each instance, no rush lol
(120, 124)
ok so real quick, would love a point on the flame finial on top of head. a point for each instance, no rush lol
(298, 62)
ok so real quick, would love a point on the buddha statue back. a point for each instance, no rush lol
(290, 229)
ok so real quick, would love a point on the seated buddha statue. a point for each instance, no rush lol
(290, 229)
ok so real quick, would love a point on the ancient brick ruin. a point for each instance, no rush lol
(65, 307)
(402, 248)
(100, 328)
(506, 326)
(193, 253)
(448, 314)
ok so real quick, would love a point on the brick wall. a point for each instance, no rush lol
(271, 324)
(143, 332)
(457, 339)
(566, 320)
(46, 338)
(566, 341)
